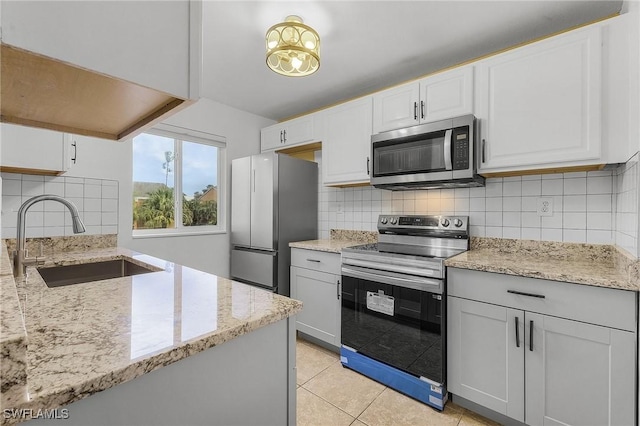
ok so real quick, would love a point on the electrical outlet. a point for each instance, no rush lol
(339, 209)
(545, 206)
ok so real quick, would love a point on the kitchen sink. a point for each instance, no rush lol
(58, 276)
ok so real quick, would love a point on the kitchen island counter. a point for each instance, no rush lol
(88, 337)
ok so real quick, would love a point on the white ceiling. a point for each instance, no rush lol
(366, 45)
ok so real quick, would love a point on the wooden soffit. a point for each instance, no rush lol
(38, 91)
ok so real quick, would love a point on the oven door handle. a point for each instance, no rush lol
(417, 283)
(447, 149)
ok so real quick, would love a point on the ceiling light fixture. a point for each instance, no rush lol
(293, 48)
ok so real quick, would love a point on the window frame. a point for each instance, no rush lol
(181, 135)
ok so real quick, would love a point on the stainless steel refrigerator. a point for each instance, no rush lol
(274, 201)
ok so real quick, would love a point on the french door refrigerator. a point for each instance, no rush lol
(274, 201)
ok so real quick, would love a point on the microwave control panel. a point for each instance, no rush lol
(460, 143)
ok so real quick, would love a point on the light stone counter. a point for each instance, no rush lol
(590, 264)
(84, 338)
(340, 238)
(331, 246)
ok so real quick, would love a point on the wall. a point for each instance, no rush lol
(96, 200)
(627, 185)
(209, 252)
(505, 208)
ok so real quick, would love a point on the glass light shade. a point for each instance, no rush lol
(293, 48)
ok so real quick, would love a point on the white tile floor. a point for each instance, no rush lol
(329, 394)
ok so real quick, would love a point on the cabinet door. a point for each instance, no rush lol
(447, 95)
(578, 373)
(540, 104)
(485, 359)
(346, 143)
(33, 149)
(396, 108)
(271, 137)
(298, 131)
(319, 291)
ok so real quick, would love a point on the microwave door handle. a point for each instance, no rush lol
(447, 150)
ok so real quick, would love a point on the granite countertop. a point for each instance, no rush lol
(332, 246)
(596, 265)
(88, 337)
(340, 238)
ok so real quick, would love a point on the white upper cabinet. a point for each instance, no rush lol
(346, 143)
(440, 96)
(396, 108)
(540, 105)
(289, 133)
(448, 94)
(149, 43)
(35, 151)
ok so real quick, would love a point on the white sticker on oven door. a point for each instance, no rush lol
(380, 302)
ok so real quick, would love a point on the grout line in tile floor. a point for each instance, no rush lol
(313, 361)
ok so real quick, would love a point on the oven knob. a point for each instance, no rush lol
(383, 220)
(394, 220)
(444, 222)
(457, 223)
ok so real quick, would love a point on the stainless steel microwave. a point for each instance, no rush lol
(441, 154)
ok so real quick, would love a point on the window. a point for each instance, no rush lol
(178, 183)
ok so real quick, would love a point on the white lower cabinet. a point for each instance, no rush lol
(315, 280)
(512, 352)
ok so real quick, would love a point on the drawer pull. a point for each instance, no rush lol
(338, 290)
(313, 260)
(531, 336)
(521, 293)
(517, 333)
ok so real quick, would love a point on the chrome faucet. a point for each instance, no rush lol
(20, 258)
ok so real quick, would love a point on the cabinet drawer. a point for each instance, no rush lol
(321, 261)
(596, 305)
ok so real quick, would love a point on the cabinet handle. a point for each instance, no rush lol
(517, 333)
(415, 110)
(368, 167)
(313, 260)
(531, 336)
(483, 143)
(280, 136)
(338, 290)
(522, 293)
(422, 109)
(75, 152)
(285, 135)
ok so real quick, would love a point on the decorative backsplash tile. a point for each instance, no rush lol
(627, 185)
(599, 207)
(96, 200)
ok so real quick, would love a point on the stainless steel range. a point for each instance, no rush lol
(393, 303)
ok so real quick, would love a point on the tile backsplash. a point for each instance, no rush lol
(96, 200)
(627, 184)
(583, 207)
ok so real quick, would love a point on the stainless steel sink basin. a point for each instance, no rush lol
(58, 276)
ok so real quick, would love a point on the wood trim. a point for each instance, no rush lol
(589, 168)
(26, 171)
(304, 152)
(350, 185)
(44, 92)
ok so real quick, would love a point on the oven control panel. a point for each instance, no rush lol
(397, 223)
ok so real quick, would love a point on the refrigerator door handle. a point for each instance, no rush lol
(256, 250)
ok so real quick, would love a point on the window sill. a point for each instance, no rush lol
(175, 233)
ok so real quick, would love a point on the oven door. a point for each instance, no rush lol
(395, 319)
